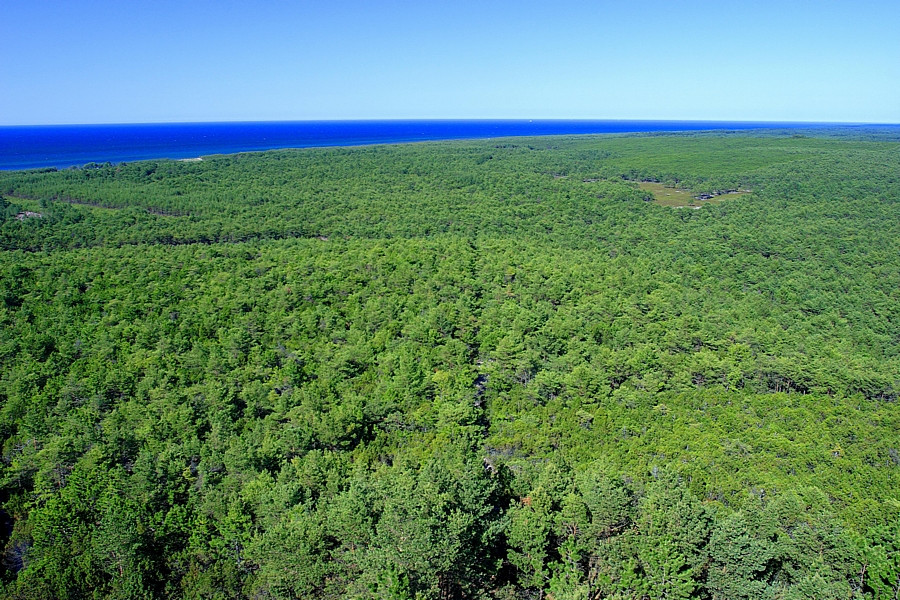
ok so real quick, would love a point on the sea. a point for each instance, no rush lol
(63, 146)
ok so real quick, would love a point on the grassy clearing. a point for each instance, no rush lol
(668, 196)
(680, 198)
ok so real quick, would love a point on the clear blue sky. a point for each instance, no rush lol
(97, 61)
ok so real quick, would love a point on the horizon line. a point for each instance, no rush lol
(458, 119)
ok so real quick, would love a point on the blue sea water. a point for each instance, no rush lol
(74, 145)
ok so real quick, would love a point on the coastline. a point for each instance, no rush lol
(65, 146)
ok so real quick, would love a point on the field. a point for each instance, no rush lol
(473, 369)
(680, 198)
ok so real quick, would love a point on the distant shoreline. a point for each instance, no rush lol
(64, 146)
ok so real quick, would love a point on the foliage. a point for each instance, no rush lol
(455, 370)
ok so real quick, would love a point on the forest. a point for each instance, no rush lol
(493, 369)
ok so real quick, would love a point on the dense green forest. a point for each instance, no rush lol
(478, 369)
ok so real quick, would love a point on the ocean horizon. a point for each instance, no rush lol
(64, 146)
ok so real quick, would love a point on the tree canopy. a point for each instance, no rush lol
(470, 369)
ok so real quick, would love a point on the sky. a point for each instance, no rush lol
(142, 61)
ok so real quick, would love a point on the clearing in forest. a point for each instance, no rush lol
(665, 195)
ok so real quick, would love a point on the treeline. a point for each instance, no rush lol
(455, 370)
